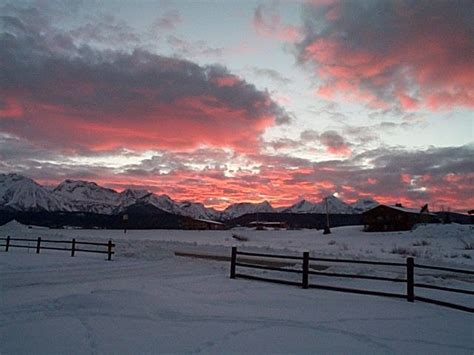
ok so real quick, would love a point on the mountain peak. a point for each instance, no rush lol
(364, 204)
(15, 178)
(135, 193)
(24, 194)
(302, 206)
(334, 205)
(239, 209)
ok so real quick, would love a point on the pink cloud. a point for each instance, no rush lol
(108, 100)
(228, 80)
(10, 108)
(388, 53)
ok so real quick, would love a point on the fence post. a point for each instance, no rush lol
(109, 250)
(38, 245)
(233, 260)
(305, 282)
(73, 247)
(8, 243)
(410, 280)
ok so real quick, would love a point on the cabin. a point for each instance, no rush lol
(385, 218)
(259, 225)
(203, 224)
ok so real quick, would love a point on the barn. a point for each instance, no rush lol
(394, 218)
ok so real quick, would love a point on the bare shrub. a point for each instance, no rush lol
(240, 238)
(420, 243)
(404, 251)
(467, 244)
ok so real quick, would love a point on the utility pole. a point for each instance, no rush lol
(125, 220)
(326, 228)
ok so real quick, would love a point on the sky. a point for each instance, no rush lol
(229, 101)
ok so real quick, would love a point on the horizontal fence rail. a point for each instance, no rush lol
(448, 269)
(354, 276)
(270, 255)
(75, 245)
(353, 261)
(302, 266)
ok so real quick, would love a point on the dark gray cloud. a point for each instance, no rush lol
(186, 48)
(309, 136)
(442, 176)
(106, 29)
(441, 161)
(334, 143)
(168, 21)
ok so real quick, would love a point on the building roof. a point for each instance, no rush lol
(208, 221)
(403, 209)
(277, 223)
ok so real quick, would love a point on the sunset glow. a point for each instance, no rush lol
(224, 102)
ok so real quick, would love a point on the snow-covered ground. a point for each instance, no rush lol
(147, 300)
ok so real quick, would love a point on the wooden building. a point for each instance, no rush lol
(203, 224)
(394, 218)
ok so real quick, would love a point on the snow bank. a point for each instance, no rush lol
(450, 244)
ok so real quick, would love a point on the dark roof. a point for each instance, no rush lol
(402, 209)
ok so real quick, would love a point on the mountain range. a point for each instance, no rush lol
(19, 193)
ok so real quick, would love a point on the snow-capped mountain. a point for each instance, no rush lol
(130, 196)
(163, 202)
(23, 194)
(335, 206)
(84, 196)
(364, 204)
(302, 206)
(85, 191)
(198, 210)
(239, 209)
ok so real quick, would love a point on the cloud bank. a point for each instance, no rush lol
(70, 97)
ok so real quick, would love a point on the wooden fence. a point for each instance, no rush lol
(46, 244)
(305, 273)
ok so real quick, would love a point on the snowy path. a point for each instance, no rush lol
(51, 303)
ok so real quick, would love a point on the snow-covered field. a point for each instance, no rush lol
(147, 300)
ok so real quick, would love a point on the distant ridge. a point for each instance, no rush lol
(19, 193)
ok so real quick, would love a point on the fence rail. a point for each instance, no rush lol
(73, 249)
(304, 271)
(353, 261)
(448, 269)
